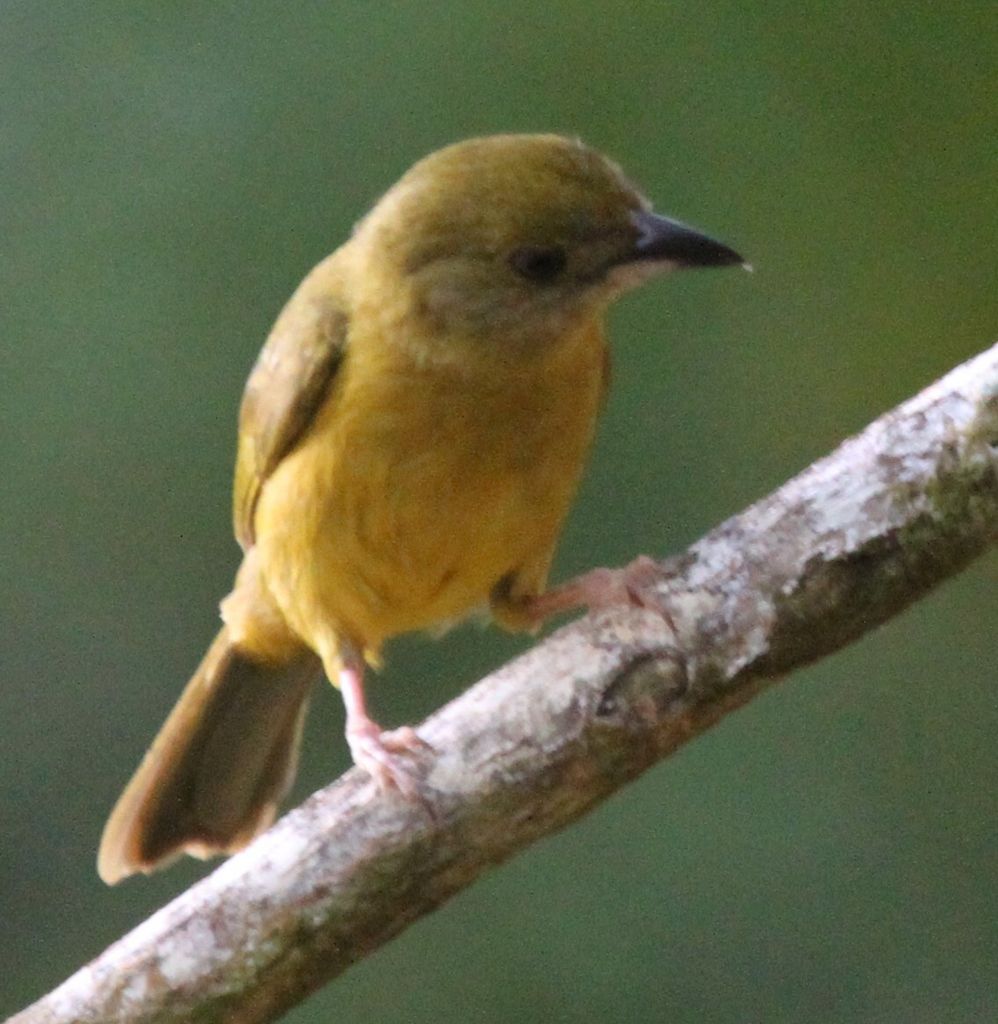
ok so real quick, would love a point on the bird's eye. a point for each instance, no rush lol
(537, 263)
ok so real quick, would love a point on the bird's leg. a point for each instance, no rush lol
(386, 756)
(598, 589)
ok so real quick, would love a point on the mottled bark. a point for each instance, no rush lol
(838, 550)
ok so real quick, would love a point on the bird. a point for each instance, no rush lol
(410, 440)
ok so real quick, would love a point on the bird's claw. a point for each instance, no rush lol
(390, 757)
(638, 587)
(632, 585)
(604, 589)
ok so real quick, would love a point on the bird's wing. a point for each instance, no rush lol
(289, 383)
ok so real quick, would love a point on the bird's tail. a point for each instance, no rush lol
(220, 765)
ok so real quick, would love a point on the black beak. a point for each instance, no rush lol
(669, 241)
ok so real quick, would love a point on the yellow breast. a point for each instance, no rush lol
(421, 485)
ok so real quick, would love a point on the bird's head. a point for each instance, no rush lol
(517, 234)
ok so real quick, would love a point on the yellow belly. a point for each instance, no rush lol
(419, 488)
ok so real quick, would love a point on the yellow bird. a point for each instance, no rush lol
(410, 440)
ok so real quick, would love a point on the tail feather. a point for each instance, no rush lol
(218, 769)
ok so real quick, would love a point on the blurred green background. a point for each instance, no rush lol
(168, 172)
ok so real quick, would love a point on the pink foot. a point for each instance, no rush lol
(601, 588)
(390, 758)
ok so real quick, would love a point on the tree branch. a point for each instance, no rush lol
(847, 544)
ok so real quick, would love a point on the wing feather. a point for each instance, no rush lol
(290, 381)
